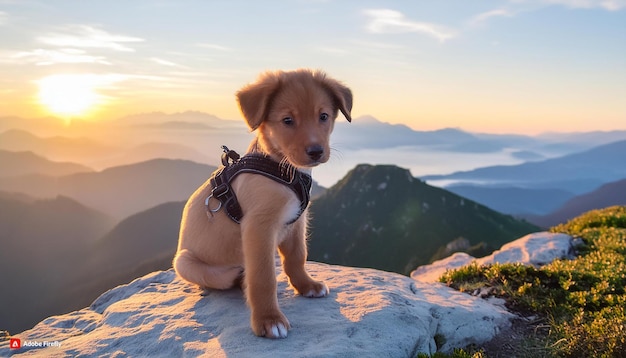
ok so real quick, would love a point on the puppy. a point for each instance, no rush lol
(293, 113)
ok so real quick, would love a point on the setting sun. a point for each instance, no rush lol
(69, 95)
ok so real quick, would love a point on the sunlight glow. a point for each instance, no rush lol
(71, 95)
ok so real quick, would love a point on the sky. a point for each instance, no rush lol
(509, 66)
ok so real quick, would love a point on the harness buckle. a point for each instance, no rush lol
(208, 207)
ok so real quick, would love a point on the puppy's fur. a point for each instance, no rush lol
(293, 114)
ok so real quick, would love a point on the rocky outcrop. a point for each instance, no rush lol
(535, 249)
(369, 313)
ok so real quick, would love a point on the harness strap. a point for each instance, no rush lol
(286, 174)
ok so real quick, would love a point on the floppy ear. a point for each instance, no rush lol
(341, 95)
(254, 99)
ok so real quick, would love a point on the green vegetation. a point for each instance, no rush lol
(583, 300)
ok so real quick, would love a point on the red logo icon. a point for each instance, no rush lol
(15, 343)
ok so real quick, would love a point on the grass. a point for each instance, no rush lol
(582, 300)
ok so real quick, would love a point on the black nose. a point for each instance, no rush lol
(315, 152)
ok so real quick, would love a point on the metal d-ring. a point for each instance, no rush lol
(206, 203)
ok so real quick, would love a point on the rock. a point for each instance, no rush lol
(432, 272)
(535, 249)
(368, 313)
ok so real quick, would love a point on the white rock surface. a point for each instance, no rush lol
(368, 313)
(533, 249)
(432, 272)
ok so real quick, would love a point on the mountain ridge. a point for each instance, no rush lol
(17, 163)
(371, 202)
(578, 172)
(122, 190)
(609, 194)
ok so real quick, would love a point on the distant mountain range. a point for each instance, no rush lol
(607, 195)
(193, 120)
(24, 163)
(108, 142)
(514, 200)
(382, 217)
(119, 191)
(577, 173)
(148, 151)
(93, 153)
(369, 132)
(78, 150)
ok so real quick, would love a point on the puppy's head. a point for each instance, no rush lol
(294, 113)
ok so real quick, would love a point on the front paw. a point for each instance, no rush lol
(313, 289)
(274, 325)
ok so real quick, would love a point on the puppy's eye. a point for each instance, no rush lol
(324, 117)
(288, 121)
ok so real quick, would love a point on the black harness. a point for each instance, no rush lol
(233, 165)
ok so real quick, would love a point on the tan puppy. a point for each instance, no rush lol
(293, 113)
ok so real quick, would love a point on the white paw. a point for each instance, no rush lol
(278, 331)
(319, 292)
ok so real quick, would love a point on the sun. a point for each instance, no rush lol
(69, 95)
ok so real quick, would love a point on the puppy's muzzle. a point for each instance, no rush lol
(315, 152)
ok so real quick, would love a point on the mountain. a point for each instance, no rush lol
(116, 143)
(514, 200)
(578, 173)
(140, 237)
(610, 194)
(152, 150)
(45, 124)
(69, 254)
(22, 163)
(119, 191)
(382, 217)
(41, 242)
(79, 150)
(177, 126)
(188, 120)
(139, 244)
(369, 132)
(593, 138)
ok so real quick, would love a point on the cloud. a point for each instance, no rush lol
(42, 57)
(483, 17)
(165, 62)
(84, 36)
(610, 5)
(386, 21)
